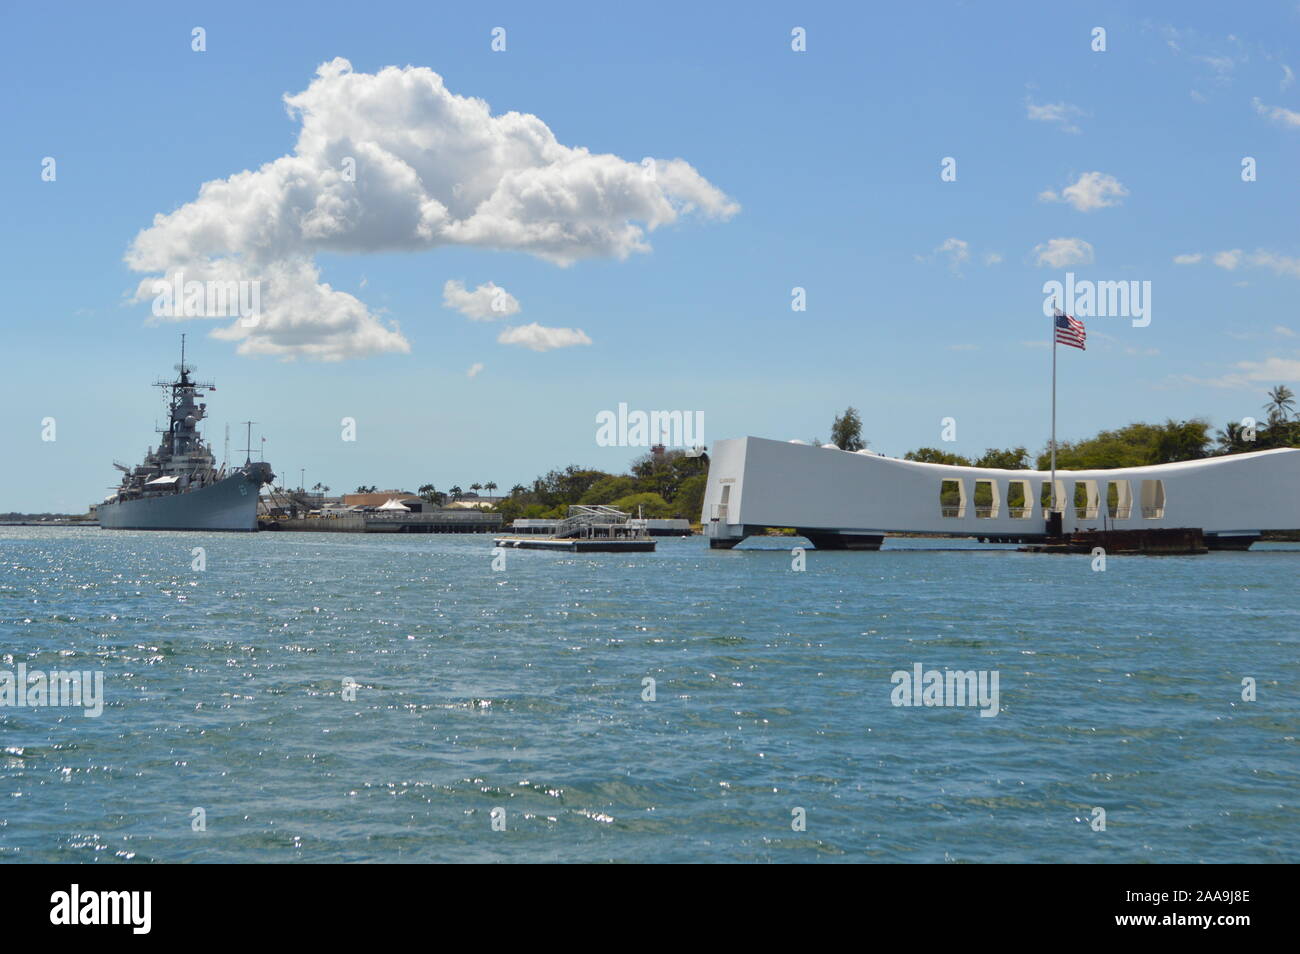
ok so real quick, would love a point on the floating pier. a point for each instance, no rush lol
(655, 526)
(578, 545)
(588, 530)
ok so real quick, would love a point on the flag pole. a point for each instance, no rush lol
(1052, 496)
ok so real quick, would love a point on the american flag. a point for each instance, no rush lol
(1070, 331)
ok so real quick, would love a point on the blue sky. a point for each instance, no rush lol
(825, 171)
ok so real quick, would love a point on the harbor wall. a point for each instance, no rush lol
(459, 521)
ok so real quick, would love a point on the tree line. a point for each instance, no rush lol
(1135, 445)
(668, 484)
(432, 494)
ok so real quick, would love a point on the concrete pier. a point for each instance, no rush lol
(439, 521)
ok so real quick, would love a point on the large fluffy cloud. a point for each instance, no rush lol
(394, 161)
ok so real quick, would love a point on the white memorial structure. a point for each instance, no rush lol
(851, 500)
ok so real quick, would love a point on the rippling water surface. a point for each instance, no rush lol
(523, 690)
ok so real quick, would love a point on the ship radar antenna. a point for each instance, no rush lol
(248, 449)
(184, 368)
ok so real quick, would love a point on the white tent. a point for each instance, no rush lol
(392, 504)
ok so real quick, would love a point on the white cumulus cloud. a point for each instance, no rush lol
(487, 302)
(1252, 374)
(1279, 264)
(1288, 118)
(1060, 252)
(540, 338)
(394, 161)
(958, 253)
(1092, 191)
(1229, 259)
(474, 369)
(1063, 114)
(957, 250)
(1233, 258)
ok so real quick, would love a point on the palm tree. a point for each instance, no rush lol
(490, 486)
(1281, 404)
(455, 492)
(518, 489)
(1231, 439)
(476, 488)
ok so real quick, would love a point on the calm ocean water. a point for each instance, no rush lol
(522, 690)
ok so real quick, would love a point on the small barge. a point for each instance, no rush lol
(588, 530)
(1163, 541)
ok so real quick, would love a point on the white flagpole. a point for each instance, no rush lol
(1052, 497)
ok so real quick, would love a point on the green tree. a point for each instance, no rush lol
(1136, 445)
(510, 510)
(608, 489)
(651, 505)
(564, 487)
(663, 473)
(1278, 434)
(1182, 440)
(689, 502)
(932, 455)
(1013, 458)
(846, 431)
(490, 486)
(1280, 431)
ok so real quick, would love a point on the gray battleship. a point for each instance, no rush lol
(179, 485)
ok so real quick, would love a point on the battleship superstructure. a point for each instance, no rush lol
(179, 486)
